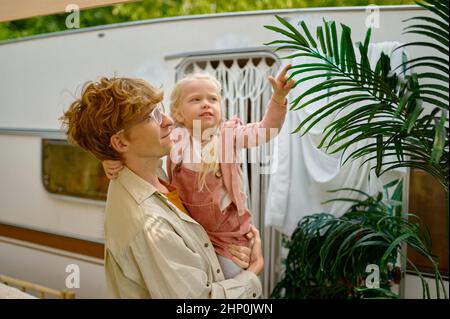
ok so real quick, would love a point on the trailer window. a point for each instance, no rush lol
(71, 171)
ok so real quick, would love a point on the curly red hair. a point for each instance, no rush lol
(104, 108)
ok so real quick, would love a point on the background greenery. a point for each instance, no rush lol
(149, 9)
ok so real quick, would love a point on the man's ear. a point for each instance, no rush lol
(119, 144)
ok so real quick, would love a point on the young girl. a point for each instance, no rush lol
(204, 164)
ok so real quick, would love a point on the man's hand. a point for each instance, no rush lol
(241, 255)
(256, 262)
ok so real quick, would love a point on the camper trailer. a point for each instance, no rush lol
(52, 194)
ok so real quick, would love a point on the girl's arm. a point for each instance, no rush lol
(276, 112)
(254, 134)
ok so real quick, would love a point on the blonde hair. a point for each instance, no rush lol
(104, 108)
(209, 162)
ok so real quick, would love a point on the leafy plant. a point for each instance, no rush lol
(390, 109)
(328, 255)
(401, 113)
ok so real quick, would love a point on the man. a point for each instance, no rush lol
(153, 248)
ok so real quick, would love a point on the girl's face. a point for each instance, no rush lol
(199, 101)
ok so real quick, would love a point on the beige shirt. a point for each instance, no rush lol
(153, 250)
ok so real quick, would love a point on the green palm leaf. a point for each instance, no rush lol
(386, 106)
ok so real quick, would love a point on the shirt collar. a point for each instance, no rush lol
(169, 186)
(138, 188)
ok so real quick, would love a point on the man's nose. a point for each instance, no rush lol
(167, 120)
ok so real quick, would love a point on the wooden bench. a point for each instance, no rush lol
(42, 291)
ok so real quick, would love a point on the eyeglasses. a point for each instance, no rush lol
(156, 115)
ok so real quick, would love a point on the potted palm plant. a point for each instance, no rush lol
(403, 114)
(328, 255)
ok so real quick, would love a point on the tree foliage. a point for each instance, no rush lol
(150, 9)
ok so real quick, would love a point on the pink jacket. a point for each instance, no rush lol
(235, 135)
